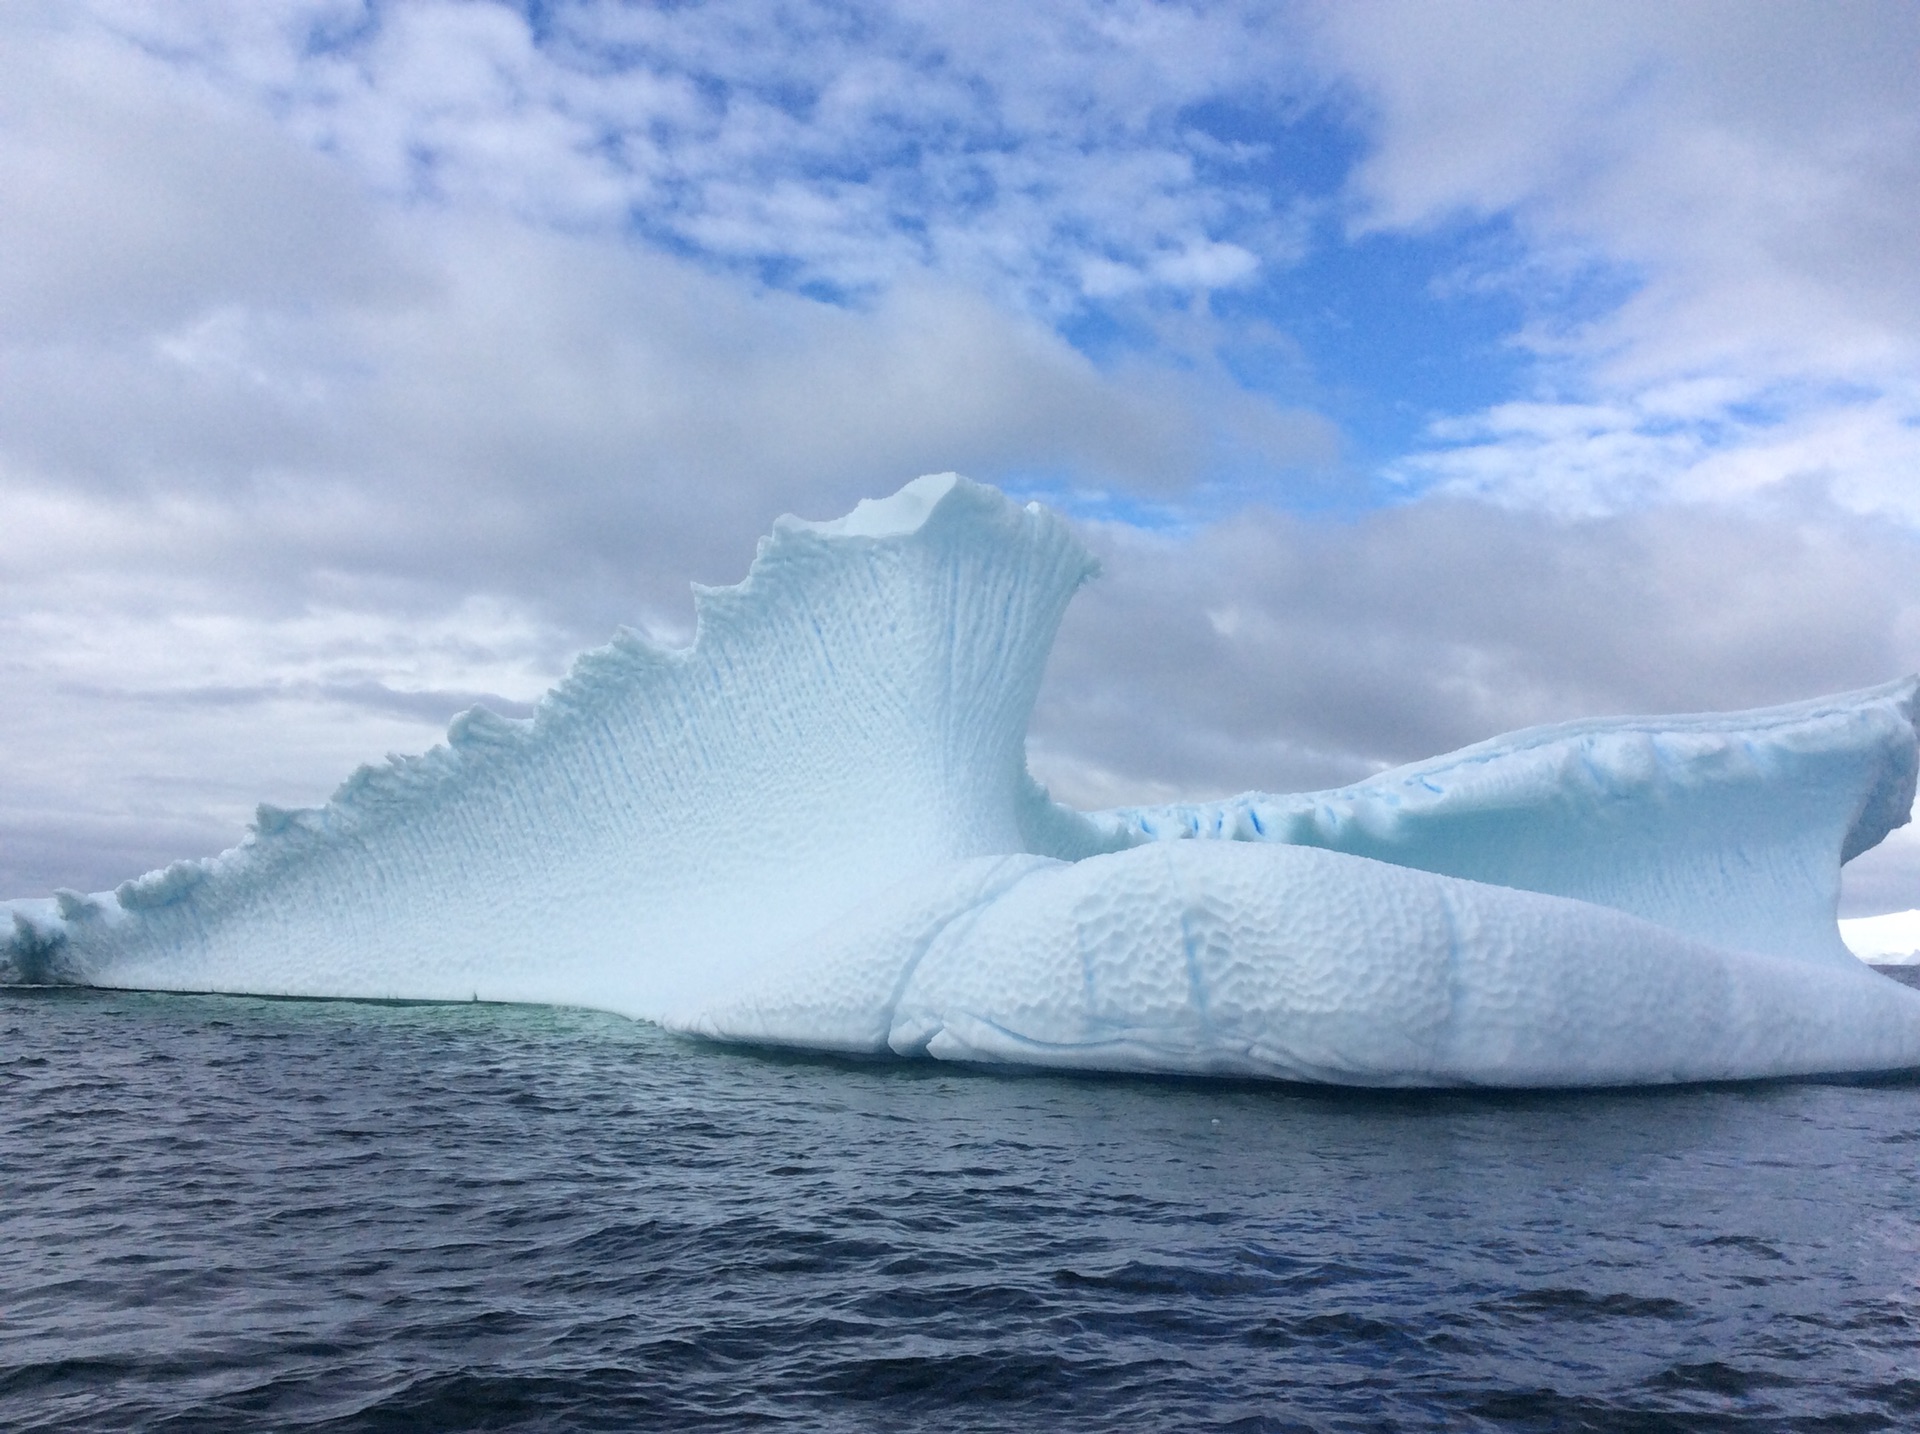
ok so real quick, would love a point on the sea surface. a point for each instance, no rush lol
(222, 1213)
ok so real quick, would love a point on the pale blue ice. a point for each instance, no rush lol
(815, 827)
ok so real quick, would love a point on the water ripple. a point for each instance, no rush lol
(228, 1214)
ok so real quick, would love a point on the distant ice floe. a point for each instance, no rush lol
(814, 827)
(1890, 940)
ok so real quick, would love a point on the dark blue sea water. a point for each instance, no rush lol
(237, 1214)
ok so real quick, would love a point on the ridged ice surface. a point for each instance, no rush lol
(814, 827)
(1730, 827)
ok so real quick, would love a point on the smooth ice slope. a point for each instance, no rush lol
(1296, 963)
(814, 827)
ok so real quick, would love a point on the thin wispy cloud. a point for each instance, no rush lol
(1038, 151)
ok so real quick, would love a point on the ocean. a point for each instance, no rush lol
(225, 1213)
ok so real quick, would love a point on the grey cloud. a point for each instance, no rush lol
(42, 850)
(432, 705)
(135, 203)
(560, 419)
(1884, 879)
(1276, 652)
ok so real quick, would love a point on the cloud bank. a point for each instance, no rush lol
(359, 361)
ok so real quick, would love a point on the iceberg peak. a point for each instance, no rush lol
(891, 517)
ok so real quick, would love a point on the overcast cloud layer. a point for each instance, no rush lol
(1419, 371)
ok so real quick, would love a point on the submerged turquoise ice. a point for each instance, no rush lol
(815, 827)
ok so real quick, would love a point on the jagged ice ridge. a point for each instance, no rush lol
(814, 827)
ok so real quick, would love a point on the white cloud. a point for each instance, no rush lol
(1640, 449)
(287, 471)
(1754, 171)
(1006, 146)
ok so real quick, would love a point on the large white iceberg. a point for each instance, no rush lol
(815, 827)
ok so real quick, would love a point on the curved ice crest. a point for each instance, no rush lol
(815, 827)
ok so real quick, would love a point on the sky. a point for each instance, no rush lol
(1419, 371)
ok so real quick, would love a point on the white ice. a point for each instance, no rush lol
(1889, 940)
(814, 827)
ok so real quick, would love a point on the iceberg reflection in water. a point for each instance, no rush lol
(815, 827)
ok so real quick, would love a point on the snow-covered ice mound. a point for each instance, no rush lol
(815, 827)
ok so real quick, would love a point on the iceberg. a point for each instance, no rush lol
(814, 827)
(1891, 939)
